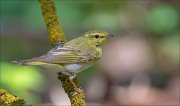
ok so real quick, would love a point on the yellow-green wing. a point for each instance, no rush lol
(61, 55)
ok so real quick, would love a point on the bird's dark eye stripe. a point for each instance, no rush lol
(96, 36)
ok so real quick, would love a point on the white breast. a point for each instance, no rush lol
(75, 68)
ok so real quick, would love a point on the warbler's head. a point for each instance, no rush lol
(97, 37)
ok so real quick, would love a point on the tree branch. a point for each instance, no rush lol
(76, 100)
(57, 36)
(7, 99)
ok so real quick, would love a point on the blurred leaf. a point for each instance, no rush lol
(162, 19)
(19, 78)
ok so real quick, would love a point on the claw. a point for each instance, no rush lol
(77, 90)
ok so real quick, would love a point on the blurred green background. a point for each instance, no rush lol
(141, 64)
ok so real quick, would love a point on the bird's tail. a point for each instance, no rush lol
(29, 62)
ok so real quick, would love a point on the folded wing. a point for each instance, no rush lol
(60, 55)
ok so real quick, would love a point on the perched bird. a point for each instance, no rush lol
(75, 55)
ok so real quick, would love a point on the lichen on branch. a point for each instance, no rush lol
(57, 36)
(6, 99)
(76, 100)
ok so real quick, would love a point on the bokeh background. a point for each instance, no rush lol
(140, 65)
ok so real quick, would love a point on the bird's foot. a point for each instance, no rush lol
(77, 91)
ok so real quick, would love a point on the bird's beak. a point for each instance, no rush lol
(110, 36)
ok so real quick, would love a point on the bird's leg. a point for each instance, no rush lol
(71, 80)
(78, 90)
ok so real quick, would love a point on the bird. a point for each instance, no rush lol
(73, 56)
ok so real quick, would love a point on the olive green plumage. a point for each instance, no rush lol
(75, 55)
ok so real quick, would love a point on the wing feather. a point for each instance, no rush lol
(63, 55)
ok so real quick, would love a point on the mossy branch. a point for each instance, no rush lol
(57, 36)
(6, 99)
(76, 100)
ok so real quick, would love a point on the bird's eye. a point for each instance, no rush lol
(96, 36)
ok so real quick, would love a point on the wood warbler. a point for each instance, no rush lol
(75, 55)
